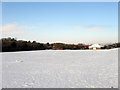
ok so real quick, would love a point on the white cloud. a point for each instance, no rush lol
(15, 29)
(80, 27)
(93, 28)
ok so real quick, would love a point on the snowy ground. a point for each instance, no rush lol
(0, 71)
(60, 69)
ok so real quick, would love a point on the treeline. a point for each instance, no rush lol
(68, 46)
(110, 46)
(12, 44)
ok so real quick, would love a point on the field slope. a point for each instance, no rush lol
(61, 69)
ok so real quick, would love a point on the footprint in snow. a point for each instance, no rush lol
(18, 61)
(28, 84)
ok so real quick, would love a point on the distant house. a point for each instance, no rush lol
(75, 46)
(86, 46)
(95, 46)
(59, 48)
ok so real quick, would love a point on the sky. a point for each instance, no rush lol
(64, 22)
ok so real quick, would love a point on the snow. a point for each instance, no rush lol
(95, 45)
(60, 69)
(0, 71)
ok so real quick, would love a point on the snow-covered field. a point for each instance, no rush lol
(60, 69)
